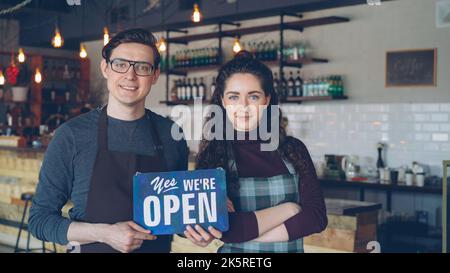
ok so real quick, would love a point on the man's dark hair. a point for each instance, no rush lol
(136, 35)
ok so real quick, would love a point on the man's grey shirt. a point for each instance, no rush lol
(69, 162)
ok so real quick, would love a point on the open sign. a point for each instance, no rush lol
(167, 202)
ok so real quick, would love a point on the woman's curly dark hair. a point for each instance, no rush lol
(214, 153)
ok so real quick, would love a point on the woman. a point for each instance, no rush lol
(275, 197)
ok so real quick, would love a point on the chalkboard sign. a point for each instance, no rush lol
(411, 68)
(446, 207)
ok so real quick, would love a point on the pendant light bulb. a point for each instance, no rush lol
(57, 40)
(196, 15)
(83, 52)
(105, 36)
(237, 45)
(162, 46)
(2, 78)
(21, 57)
(37, 76)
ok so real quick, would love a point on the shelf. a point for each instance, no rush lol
(298, 25)
(303, 61)
(280, 27)
(313, 98)
(376, 185)
(296, 63)
(181, 102)
(177, 72)
(183, 71)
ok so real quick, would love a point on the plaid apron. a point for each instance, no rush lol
(260, 193)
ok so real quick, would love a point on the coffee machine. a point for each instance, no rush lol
(333, 167)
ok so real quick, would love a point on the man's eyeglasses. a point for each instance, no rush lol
(140, 68)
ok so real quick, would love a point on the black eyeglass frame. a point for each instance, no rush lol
(132, 64)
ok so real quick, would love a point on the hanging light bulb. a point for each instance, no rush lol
(105, 36)
(37, 76)
(83, 52)
(57, 40)
(196, 15)
(162, 46)
(21, 56)
(2, 78)
(237, 45)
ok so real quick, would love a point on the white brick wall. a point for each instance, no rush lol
(355, 128)
(414, 132)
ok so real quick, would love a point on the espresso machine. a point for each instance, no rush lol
(333, 167)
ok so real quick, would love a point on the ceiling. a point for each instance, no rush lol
(86, 22)
(59, 6)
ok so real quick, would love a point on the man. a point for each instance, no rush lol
(93, 157)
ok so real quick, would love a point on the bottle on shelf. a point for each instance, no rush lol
(202, 89)
(323, 86)
(195, 93)
(272, 55)
(53, 93)
(66, 73)
(216, 54)
(265, 55)
(340, 84)
(305, 88)
(173, 91)
(301, 49)
(291, 85)
(9, 117)
(213, 86)
(179, 89)
(276, 83)
(298, 85)
(67, 94)
(189, 94)
(183, 90)
(283, 87)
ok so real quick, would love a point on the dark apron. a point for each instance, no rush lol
(110, 198)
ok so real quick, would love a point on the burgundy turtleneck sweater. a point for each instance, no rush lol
(252, 162)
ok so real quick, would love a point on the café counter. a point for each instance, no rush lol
(352, 225)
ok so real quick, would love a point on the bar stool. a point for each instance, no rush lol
(28, 197)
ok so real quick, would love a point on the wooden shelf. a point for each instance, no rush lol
(296, 63)
(183, 71)
(313, 98)
(376, 185)
(298, 25)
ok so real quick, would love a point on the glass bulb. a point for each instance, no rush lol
(21, 56)
(38, 76)
(237, 46)
(162, 47)
(58, 40)
(196, 15)
(83, 52)
(2, 78)
(105, 36)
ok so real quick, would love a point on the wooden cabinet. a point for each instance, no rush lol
(67, 77)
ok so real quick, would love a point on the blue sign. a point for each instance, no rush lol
(167, 202)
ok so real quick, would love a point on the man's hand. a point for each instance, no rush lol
(126, 236)
(230, 206)
(200, 237)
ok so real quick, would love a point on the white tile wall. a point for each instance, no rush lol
(414, 132)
